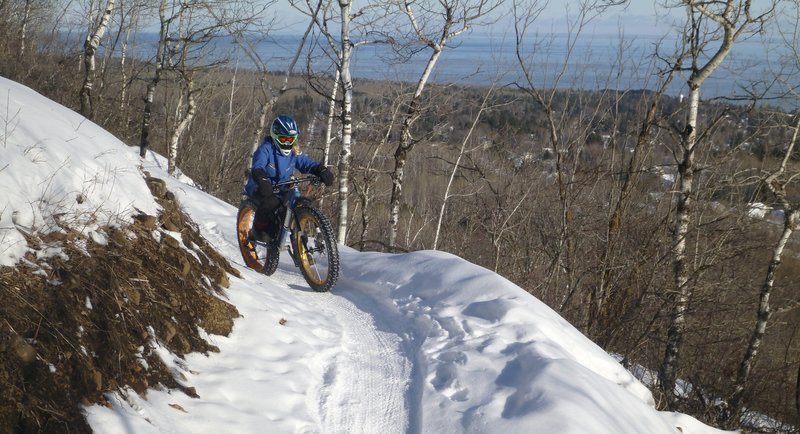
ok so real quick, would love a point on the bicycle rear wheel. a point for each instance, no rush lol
(258, 256)
(315, 249)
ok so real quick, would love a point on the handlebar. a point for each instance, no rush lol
(314, 180)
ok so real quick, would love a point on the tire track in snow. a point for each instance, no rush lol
(361, 380)
(364, 382)
(364, 386)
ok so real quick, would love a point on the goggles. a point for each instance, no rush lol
(286, 141)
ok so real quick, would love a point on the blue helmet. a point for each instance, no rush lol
(284, 133)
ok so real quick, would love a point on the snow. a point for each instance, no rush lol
(423, 342)
(758, 210)
(58, 167)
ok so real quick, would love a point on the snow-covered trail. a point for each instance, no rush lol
(357, 368)
(364, 379)
(422, 342)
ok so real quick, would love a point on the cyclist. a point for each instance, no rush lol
(275, 161)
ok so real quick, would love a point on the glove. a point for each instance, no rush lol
(324, 174)
(268, 198)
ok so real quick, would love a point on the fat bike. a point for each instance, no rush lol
(306, 233)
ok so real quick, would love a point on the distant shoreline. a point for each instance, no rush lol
(483, 58)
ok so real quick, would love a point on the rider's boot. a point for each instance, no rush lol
(260, 232)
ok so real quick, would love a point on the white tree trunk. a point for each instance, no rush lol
(681, 229)
(406, 145)
(184, 122)
(331, 117)
(777, 185)
(733, 17)
(23, 34)
(448, 14)
(89, 50)
(147, 112)
(347, 119)
(123, 98)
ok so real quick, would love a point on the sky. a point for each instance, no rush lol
(640, 16)
(636, 17)
(423, 342)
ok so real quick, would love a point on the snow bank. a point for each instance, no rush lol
(58, 170)
(496, 358)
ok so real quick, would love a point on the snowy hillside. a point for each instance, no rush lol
(422, 342)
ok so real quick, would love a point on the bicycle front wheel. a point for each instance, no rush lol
(315, 249)
(258, 256)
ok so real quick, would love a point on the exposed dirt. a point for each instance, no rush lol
(76, 325)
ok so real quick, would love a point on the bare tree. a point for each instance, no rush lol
(729, 20)
(152, 83)
(23, 34)
(326, 155)
(346, 117)
(187, 33)
(568, 120)
(605, 297)
(451, 18)
(90, 46)
(21, 23)
(130, 13)
(340, 51)
(183, 116)
(456, 165)
(777, 183)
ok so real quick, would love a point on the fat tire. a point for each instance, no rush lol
(271, 261)
(244, 222)
(331, 250)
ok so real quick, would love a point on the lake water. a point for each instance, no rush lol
(594, 62)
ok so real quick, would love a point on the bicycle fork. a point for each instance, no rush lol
(289, 226)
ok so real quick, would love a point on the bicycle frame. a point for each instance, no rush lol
(291, 199)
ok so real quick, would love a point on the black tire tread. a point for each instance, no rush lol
(332, 250)
(271, 261)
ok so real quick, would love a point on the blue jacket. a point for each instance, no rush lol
(277, 166)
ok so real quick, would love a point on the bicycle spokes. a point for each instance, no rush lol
(258, 256)
(315, 249)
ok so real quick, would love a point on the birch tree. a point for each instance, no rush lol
(606, 298)
(130, 13)
(725, 22)
(433, 24)
(777, 184)
(331, 118)
(192, 50)
(152, 83)
(370, 169)
(90, 46)
(339, 50)
(21, 22)
(183, 116)
(187, 31)
(346, 117)
(23, 34)
(780, 184)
